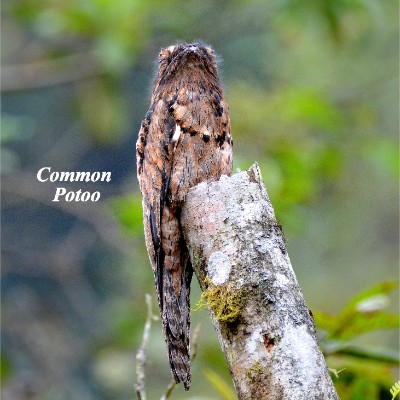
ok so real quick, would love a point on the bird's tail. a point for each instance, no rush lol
(176, 322)
(176, 278)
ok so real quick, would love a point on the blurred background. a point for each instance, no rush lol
(313, 94)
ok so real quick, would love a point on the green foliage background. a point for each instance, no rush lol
(313, 95)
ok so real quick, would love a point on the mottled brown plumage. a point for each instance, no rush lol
(184, 139)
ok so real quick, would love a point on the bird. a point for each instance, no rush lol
(184, 139)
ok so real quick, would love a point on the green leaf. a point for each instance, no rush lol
(357, 323)
(383, 288)
(395, 390)
(363, 313)
(220, 385)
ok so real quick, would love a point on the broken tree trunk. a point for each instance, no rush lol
(264, 327)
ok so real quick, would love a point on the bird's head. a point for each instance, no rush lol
(186, 55)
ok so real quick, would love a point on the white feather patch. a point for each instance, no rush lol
(177, 133)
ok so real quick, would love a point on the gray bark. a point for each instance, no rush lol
(264, 327)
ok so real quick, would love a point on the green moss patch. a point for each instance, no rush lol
(225, 301)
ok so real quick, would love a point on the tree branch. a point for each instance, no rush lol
(263, 324)
(141, 354)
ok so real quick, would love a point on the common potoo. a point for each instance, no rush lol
(184, 139)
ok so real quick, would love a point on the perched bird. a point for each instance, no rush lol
(184, 139)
